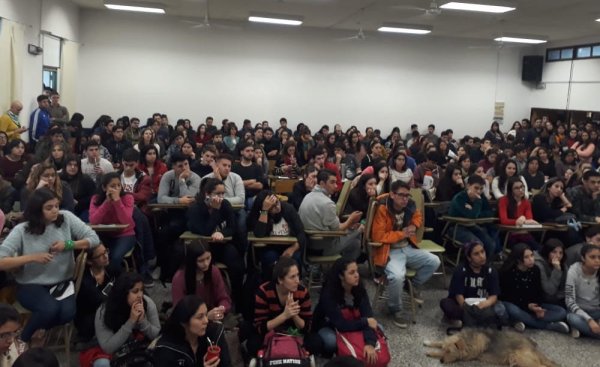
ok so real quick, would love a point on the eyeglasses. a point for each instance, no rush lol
(10, 335)
(403, 196)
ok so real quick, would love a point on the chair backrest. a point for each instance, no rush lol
(419, 199)
(366, 242)
(271, 166)
(283, 186)
(79, 269)
(343, 198)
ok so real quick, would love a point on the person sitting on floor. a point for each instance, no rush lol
(10, 325)
(551, 261)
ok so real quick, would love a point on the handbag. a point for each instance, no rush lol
(134, 353)
(352, 343)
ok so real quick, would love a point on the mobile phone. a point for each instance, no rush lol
(106, 290)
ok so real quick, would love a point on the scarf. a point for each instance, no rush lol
(15, 118)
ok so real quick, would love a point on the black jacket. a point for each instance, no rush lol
(172, 353)
(298, 193)
(205, 222)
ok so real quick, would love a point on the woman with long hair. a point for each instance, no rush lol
(450, 184)
(82, 186)
(187, 336)
(464, 162)
(533, 176)
(202, 136)
(343, 294)
(515, 210)
(287, 164)
(584, 147)
(494, 134)
(358, 199)
(382, 174)
(546, 162)
(551, 204)
(127, 318)
(376, 151)
(58, 157)
(551, 261)
(231, 140)
(152, 165)
(202, 278)
(399, 169)
(148, 139)
(283, 305)
(41, 249)
(523, 296)
(13, 160)
(111, 205)
(44, 175)
(582, 293)
(508, 169)
(567, 161)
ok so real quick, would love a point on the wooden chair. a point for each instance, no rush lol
(271, 166)
(282, 186)
(450, 229)
(316, 263)
(262, 242)
(343, 198)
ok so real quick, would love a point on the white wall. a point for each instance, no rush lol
(137, 64)
(60, 17)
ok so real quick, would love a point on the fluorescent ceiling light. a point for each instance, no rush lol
(520, 40)
(275, 19)
(405, 28)
(140, 9)
(485, 8)
(598, 20)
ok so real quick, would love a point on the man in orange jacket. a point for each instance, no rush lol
(395, 225)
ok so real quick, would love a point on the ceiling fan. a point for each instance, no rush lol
(433, 10)
(359, 36)
(206, 23)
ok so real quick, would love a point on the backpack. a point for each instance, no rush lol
(284, 351)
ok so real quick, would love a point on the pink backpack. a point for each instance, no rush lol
(284, 351)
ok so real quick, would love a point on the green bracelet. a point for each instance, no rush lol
(69, 245)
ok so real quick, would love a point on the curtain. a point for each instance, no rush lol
(12, 49)
(68, 75)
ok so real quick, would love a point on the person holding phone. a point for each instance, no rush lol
(93, 165)
(127, 320)
(41, 249)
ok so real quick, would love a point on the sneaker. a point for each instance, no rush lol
(417, 296)
(575, 333)
(148, 281)
(399, 320)
(560, 327)
(519, 326)
(458, 324)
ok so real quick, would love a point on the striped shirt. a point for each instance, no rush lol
(268, 307)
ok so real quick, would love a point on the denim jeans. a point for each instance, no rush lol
(453, 311)
(270, 255)
(46, 311)
(101, 362)
(118, 247)
(328, 338)
(425, 263)
(579, 323)
(553, 313)
(486, 234)
(241, 237)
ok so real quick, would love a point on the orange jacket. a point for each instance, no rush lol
(382, 231)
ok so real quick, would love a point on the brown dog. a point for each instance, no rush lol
(506, 348)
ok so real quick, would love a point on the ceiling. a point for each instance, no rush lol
(558, 20)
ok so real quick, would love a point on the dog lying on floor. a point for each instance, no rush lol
(506, 348)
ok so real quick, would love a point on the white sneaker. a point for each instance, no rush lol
(575, 333)
(519, 326)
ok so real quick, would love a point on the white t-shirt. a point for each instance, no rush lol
(280, 228)
(128, 183)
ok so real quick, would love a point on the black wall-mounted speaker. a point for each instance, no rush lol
(532, 68)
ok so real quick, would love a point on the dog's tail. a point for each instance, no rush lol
(547, 362)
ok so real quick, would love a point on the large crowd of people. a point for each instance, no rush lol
(216, 182)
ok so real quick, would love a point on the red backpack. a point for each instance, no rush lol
(284, 351)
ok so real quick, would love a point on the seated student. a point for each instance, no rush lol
(127, 315)
(546, 163)
(318, 157)
(187, 335)
(38, 248)
(249, 172)
(471, 204)
(117, 145)
(13, 161)
(586, 198)
(428, 168)
(533, 176)
(44, 175)
(376, 150)
(450, 184)
(582, 293)
(134, 181)
(82, 186)
(381, 173)
(523, 296)
(212, 215)
(473, 284)
(399, 169)
(551, 261)
(515, 210)
(111, 205)
(318, 212)
(36, 357)
(175, 147)
(283, 305)
(573, 253)
(93, 165)
(271, 217)
(345, 162)
(395, 225)
(96, 283)
(202, 278)
(343, 293)
(358, 199)
(205, 164)
(287, 163)
(551, 204)
(478, 171)
(304, 186)
(10, 325)
(151, 165)
(508, 169)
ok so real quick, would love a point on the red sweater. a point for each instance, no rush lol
(214, 293)
(524, 208)
(114, 212)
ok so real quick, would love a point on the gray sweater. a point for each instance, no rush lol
(581, 292)
(19, 243)
(171, 189)
(553, 280)
(110, 342)
(318, 211)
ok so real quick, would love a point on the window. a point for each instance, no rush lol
(573, 52)
(50, 78)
